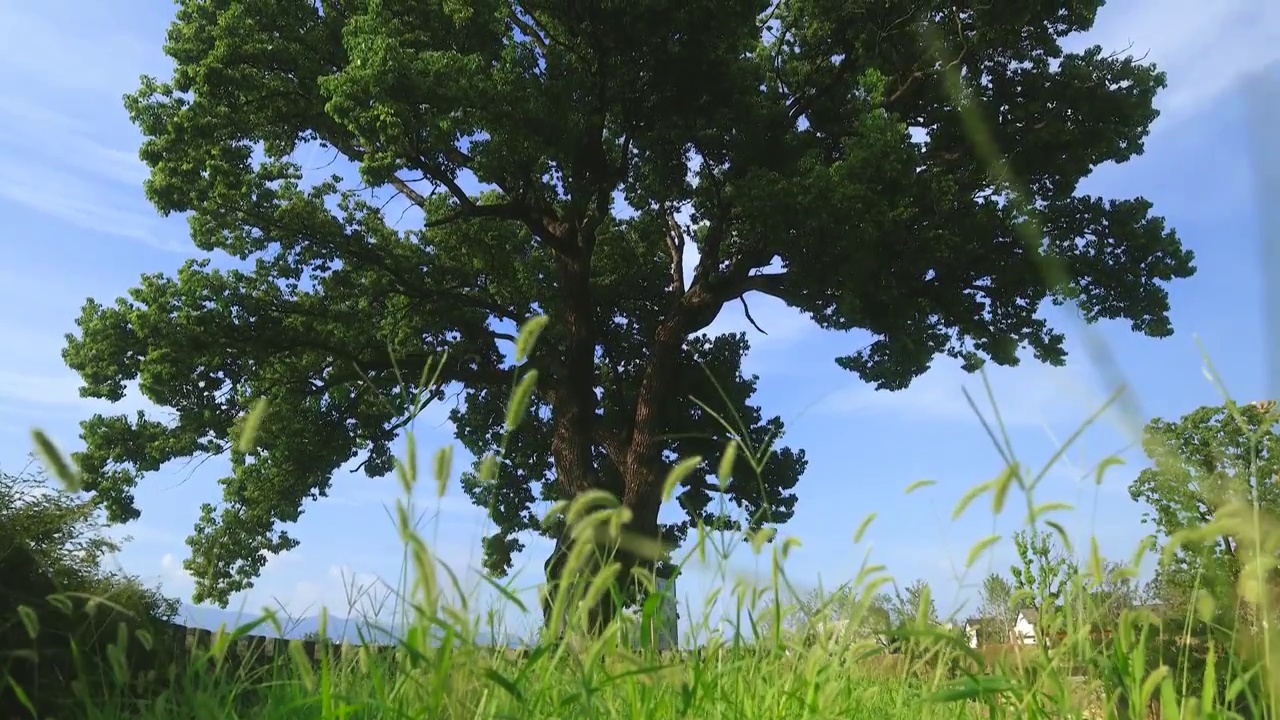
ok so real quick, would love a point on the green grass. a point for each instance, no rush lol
(733, 676)
(475, 683)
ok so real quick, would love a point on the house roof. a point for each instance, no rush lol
(1029, 615)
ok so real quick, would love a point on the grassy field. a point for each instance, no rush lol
(931, 675)
(591, 680)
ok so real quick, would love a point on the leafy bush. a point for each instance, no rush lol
(60, 610)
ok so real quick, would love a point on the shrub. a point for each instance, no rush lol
(61, 611)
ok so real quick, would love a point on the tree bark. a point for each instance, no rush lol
(639, 457)
(640, 465)
(573, 410)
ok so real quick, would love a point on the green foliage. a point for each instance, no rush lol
(808, 187)
(60, 605)
(1213, 502)
(1044, 571)
(1207, 460)
(917, 603)
(1115, 590)
(844, 615)
(1045, 576)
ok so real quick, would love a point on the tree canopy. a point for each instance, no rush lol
(627, 169)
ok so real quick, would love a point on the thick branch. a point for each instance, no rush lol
(544, 226)
(527, 30)
(773, 284)
(541, 225)
(717, 229)
(696, 309)
(675, 249)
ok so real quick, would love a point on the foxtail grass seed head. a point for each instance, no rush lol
(443, 469)
(407, 469)
(527, 339)
(682, 470)
(919, 485)
(979, 548)
(56, 462)
(488, 469)
(863, 527)
(247, 436)
(518, 405)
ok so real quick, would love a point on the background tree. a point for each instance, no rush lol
(1210, 457)
(997, 609)
(1203, 464)
(844, 613)
(817, 155)
(1043, 576)
(915, 603)
(1115, 590)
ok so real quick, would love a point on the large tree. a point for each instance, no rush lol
(815, 152)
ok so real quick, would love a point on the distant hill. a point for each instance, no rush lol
(339, 629)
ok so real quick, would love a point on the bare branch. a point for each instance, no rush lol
(415, 197)
(747, 311)
(513, 209)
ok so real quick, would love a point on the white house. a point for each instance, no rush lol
(1023, 631)
(1024, 627)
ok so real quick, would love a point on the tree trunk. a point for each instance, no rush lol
(643, 500)
(574, 407)
(573, 411)
(640, 468)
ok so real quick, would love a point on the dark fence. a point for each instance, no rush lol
(177, 645)
(191, 642)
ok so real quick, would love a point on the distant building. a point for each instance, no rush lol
(1022, 632)
(1024, 627)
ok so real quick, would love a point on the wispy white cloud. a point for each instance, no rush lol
(1030, 395)
(63, 193)
(274, 587)
(58, 392)
(174, 576)
(359, 491)
(1207, 48)
(67, 150)
(28, 389)
(143, 534)
(341, 590)
(70, 47)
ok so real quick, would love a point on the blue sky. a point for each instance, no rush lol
(77, 226)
